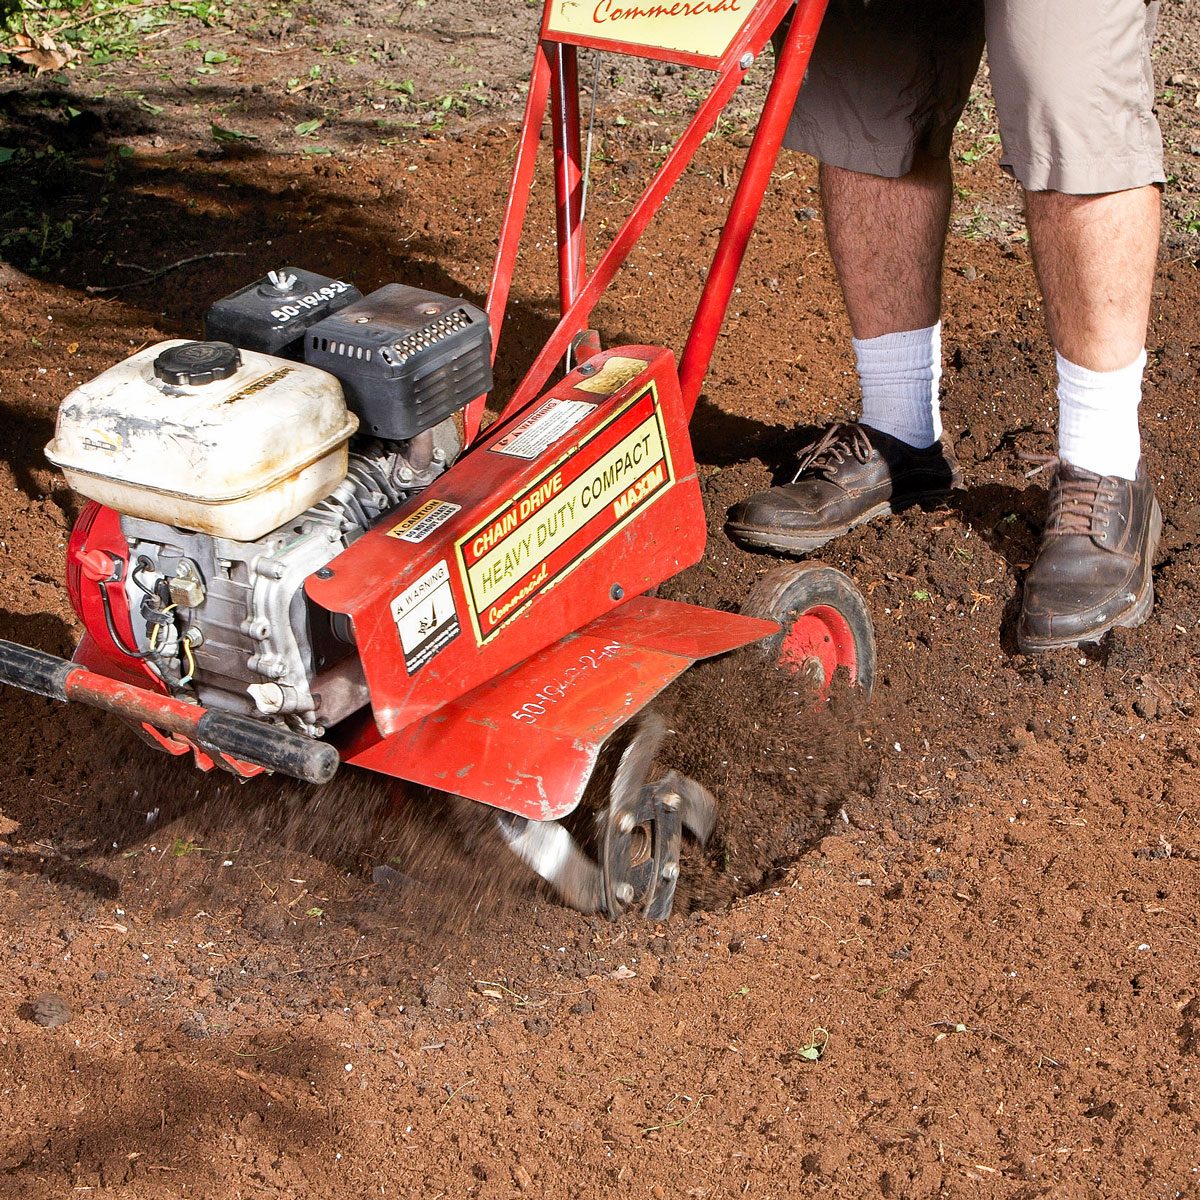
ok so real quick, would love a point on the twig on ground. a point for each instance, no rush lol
(183, 262)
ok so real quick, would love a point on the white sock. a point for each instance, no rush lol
(899, 374)
(1098, 417)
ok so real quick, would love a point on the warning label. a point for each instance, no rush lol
(421, 522)
(556, 522)
(542, 428)
(425, 617)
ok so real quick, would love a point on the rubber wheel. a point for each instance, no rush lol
(825, 623)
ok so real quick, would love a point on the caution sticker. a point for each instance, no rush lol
(569, 511)
(542, 428)
(426, 618)
(423, 521)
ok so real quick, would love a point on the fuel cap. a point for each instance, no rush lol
(193, 363)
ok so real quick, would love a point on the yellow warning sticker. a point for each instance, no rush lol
(423, 521)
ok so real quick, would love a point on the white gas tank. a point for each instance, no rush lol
(206, 437)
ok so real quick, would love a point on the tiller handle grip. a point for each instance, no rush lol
(231, 734)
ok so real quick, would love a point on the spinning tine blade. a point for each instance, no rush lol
(551, 852)
(636, 761)
(668, 842)
(697, 809)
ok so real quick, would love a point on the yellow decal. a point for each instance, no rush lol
(545, 531)
(703, 27)
(423, 521)
(259, 385)
(103, 439)
(613, 376)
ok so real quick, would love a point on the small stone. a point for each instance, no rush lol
(805, 214)
(435, 993)
(1162, 850)
(50, 1011)
(937, 874)
(194, 1026)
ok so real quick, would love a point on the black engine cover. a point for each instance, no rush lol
(407, 358)
(272, 314)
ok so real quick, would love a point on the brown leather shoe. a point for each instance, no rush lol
(849, 475)
(1094, 567)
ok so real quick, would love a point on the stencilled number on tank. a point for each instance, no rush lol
(554, 691)
(288, 312)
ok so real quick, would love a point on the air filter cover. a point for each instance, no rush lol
(407, 358)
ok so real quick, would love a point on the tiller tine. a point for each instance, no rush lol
(643, 838)
(639, 837)
(548, 850)
(697, 807)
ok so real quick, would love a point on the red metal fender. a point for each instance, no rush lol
(527, 742)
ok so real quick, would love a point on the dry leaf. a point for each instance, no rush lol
(42, 53)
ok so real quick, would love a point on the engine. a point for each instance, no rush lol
(240, 465)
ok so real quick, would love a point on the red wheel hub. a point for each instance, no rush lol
(818, 642)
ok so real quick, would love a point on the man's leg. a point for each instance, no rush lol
(884, 90)
(886, 238)
(1095, 259)
(1074, 94)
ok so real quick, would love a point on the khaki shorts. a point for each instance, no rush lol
(1071, 78)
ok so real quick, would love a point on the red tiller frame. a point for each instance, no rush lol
(555, 76)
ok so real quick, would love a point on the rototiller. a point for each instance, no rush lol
(299, 551)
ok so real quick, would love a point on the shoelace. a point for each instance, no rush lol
(1073, 501)
(837, 445)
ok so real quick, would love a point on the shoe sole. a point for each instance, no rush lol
(762, 537)
(1137, 613)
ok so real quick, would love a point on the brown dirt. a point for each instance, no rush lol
(982, 888)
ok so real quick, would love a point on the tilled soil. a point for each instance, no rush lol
(943, 944)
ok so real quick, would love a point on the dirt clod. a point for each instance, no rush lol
(50, 1011)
